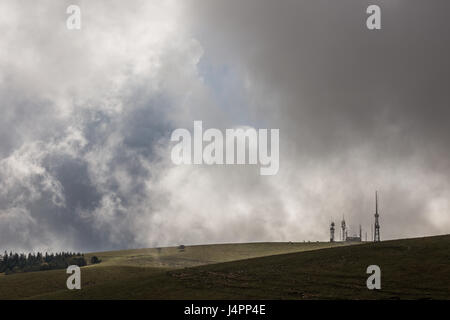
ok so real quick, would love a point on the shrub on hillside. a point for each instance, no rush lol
(95, 260)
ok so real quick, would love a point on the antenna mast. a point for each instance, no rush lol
(343, 227)
(377, 223)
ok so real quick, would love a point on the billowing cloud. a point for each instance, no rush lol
(87, 116)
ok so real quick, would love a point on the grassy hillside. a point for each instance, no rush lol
(411, 269)
(127, 266)
(173, 257)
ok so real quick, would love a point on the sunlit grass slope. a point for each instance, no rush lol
(173, 257)
(129, 265)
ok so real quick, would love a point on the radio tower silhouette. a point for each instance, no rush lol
(343, 228)
(376, 236)
(332, 231)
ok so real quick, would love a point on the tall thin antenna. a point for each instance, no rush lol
(376, 202)
(376, 237)
(343, 227)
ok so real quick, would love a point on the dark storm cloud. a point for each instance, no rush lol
(376, 103)
(86, 118)
(345, 83)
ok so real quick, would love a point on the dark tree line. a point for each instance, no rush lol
(15, 262)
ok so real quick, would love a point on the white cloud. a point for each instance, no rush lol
(86, 117)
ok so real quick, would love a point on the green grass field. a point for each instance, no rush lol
(411, 269)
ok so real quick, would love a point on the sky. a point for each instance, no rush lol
(86, 119)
